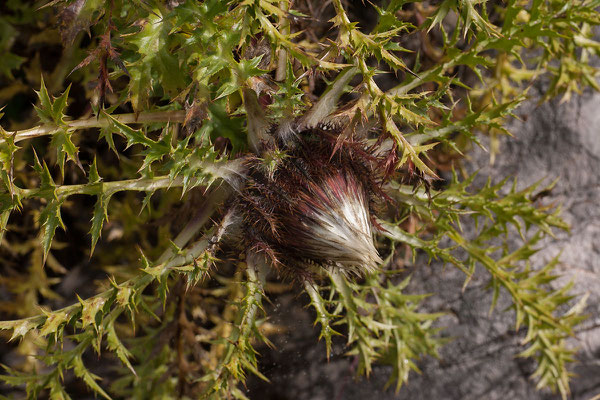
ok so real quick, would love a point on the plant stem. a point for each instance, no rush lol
(147, 184)
(324, 317)
(257, 272)
(206, 210)
(176, 116)
(139, 283)
(226, 170)
(328, 100)
(280, 73)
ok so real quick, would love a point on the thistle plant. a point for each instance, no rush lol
(298, 143)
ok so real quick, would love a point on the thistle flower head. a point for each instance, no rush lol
(312, 207)
(334, 224)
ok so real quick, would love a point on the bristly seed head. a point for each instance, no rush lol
(314, 206)
(335, 224)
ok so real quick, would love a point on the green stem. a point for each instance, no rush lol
(206, 210)
(323, 316)
(175, 116)
(256, 271)
(138, 283)
(282, 54)
(438, 70)
(239, 353)
(226, 170)
(328, 100)
(110, 188)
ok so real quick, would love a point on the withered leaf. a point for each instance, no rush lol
(102, 53)
(77, 17)
(195, 114)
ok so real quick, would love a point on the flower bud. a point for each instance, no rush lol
(311, 208)
(331, 222)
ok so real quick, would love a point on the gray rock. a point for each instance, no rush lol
(554, 140)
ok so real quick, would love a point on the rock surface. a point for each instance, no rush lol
(553, 140)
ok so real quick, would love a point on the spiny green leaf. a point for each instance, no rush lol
(124, 293)
(7, 153)
(4, 217)
(408, 151)
(18, 378)
(160, 149)
(440, 14)
(59, 105)
(100, 215)
(472, 16)
(324, 317)
(45, 109)
(228, 88)
(157, 59)
(90, 379)
(65, 148)
(89, 310)
(114, 344)
(20, 328)
(51, 111)
(50, 219)
(198, 269)
(46, 179)
(57, 391)
(133, 136)
(140, 87)
(93, 176)
(54, 324)
(106, 133)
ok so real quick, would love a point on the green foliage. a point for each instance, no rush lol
(178, 93)
(388, 328)
(9, 60)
